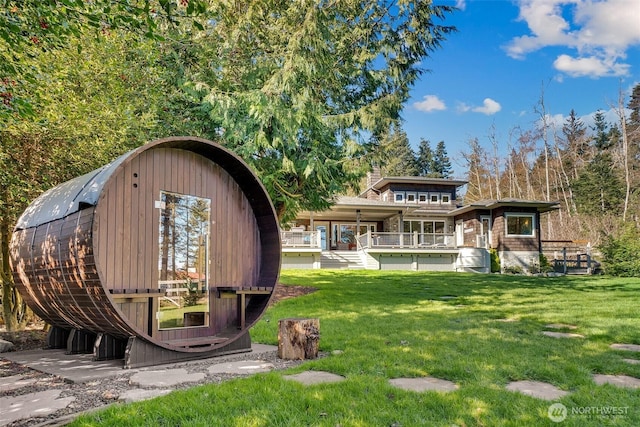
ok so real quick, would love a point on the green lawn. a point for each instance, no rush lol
(395, 324)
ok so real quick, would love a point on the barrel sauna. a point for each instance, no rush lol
(169, 253)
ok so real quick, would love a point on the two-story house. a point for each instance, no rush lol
(415, 223)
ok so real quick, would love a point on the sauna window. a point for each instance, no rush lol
(183, 261)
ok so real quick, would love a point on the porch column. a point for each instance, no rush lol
(357, 225)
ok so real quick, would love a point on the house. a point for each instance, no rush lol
(416, 223)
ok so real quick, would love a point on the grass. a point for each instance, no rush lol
(396, 324)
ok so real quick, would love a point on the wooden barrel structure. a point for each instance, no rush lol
(171, 252)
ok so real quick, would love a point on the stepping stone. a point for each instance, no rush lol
(139, 394)
(314, 377)
(627, 347)
(632, 361)
(561, 335)
(617, 380)
(165, 378)
(38, 404)
(560, 326)
(537, 389)
(423, 384)
(445, 297)
(15, 382)
(241, 367)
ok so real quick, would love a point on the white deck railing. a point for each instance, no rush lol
(311, 240)
(407, 240)
(300, 239)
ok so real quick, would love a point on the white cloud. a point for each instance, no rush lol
(461, 4)
(489, 107)
(600, 32)
(589, 66)
(430, 103)
(462, 107)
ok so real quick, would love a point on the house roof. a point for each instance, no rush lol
(372, 210)
(413, 180)
(541, 206)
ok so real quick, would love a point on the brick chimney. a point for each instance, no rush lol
(373, 177)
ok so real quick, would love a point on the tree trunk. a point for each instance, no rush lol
(9, 314)
(298, 339)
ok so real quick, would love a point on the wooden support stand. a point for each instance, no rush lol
(298, 339)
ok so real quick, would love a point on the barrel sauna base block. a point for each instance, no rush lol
(80, 342)
(57, 337)
(107, 347)
(141, 353)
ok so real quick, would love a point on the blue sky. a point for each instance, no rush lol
(488, 78)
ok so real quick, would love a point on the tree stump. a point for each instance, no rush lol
(298, 339)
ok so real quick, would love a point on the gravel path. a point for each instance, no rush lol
(100, 393)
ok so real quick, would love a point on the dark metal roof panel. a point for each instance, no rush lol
(68, 197)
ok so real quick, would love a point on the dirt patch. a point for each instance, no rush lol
(34, 337)
(290, 291)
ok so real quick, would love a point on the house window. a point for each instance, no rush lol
(423, 198)
(399, 197)
(520, 224)
(434, 198)
(446, 198)
(411, 197)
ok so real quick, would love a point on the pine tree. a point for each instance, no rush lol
(576, 148)
(441, 162)
(424, 159)
(598, 189)
(398, 159)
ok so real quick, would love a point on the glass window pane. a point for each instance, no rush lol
(183, 261)
(520, 225)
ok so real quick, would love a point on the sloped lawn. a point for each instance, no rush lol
(479, 331)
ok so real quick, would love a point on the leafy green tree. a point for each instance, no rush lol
(296, 88)
(621, 253)
(441, 162)
(424, 158)
(91, 106)
(29, 28)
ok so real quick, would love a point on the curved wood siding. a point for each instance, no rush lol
(85, 255)
(126, 232)
(54, 263)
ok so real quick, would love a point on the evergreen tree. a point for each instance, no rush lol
(424, 159)
(398, 159)
(441, 163)
(598, 189)
(575, 151)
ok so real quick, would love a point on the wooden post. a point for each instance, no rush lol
(298, 339)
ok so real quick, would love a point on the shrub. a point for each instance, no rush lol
(545, 265)
(621, 254)
(495, 261)
(513, 269)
